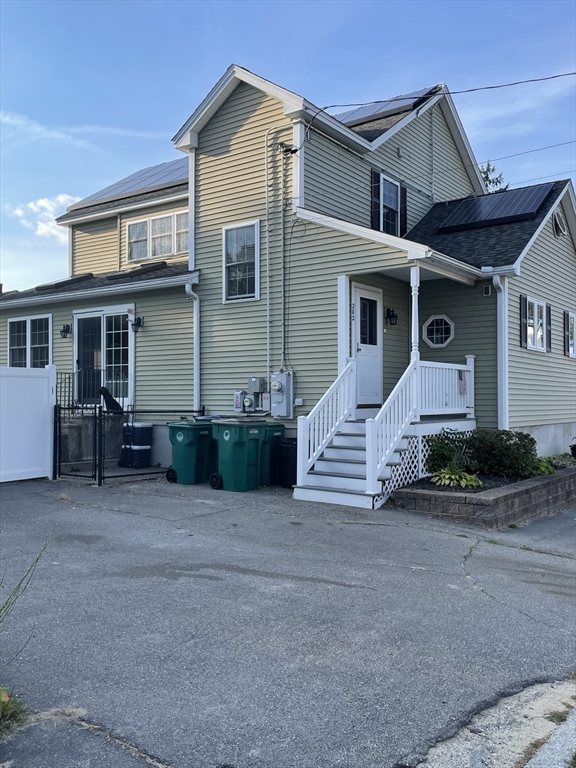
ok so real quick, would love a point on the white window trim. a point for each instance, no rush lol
(572, 315)
(256, 224)
(148, 221)
(28, 318)
(425, 335)
(383, 177)
(536, 302)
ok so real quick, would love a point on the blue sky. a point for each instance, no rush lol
(92, 91)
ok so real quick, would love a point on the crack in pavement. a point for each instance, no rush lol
(77, 717)
(476, 585)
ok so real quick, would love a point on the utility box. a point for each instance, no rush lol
(281, 404)
(257, 384)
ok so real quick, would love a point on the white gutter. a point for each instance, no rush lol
(196, 340)
(501, 286)
(145, 285)
(120, 209)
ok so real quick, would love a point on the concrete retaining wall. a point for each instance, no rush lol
(496, 508)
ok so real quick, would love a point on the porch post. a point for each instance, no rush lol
(471, 396)
(415, 323)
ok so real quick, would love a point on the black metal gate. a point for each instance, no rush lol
(102, 445)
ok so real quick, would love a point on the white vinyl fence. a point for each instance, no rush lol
(27, 400)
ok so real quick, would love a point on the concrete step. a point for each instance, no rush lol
(334, 496)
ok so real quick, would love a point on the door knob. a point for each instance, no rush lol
(358, 347)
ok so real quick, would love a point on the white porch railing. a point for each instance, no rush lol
(447, 388)
(317, 429)
(424, 389)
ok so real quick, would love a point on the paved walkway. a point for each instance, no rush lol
(184, 627)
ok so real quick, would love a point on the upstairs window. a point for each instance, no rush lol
(570, 334)
(241, 262)
(535, 324)
(29, 342)
(157, 237)
(389, 213)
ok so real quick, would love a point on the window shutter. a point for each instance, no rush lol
(524, 321)
(403, 212)
(567, 334)
(375, 199)
(548, 328)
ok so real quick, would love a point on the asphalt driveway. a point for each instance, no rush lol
(186, 627)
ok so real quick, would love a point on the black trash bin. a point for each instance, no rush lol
(270, 454)
(287, 462)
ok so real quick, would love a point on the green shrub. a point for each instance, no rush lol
(502, 452)
(448, 449)
(542, 466)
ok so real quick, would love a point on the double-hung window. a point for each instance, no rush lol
(241, 261)
(570, 334)
(535, 324)
(389, 211)
(158, 236)
(29, 342)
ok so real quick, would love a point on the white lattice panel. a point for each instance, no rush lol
(412, 465)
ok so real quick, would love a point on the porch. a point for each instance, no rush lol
(360, 442)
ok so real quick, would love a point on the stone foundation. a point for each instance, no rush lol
(499, 507)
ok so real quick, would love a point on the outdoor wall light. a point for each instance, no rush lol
(391, 316)
(66, 329)
(137, 323)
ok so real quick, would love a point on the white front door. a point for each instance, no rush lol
(367, 344)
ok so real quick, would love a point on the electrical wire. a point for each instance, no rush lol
(452, 93)
(538, 178)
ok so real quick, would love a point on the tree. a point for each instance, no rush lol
(493, 183)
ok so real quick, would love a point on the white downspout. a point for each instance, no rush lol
(196, 317)
(501, 285)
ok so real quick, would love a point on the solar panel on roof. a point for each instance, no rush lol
(160, 175)
(381, 108)
(497, 208)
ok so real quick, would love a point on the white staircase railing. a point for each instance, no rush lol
(317, 429)
(388, 427)
(424, 389)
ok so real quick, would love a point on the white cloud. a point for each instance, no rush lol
(39, 216)
(20, 129)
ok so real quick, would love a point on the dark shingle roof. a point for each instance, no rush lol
(67, 287)
(121, 202)
(496, 246)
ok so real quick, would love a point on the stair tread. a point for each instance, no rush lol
(336, 490)
(350, 475)
(347, 461)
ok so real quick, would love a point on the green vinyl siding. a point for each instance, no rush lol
(542, 385)
(164, 371)
(95, 246)
(230, 189)
(422, 155)
(474, 318)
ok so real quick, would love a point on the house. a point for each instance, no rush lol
(348, 274)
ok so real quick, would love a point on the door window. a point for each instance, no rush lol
(368, 322)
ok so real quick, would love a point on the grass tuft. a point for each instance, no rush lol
(13, 713)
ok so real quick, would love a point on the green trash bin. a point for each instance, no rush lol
(190, 445)
(239, 442)
(270, 454)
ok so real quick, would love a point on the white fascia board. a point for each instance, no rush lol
(147, 285)
(218, 95)
(121, 209)
(397, 243)
(456, 270)
(412, 115)
(464, 148)
(567, 192)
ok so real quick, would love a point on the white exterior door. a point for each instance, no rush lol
(367, 343)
